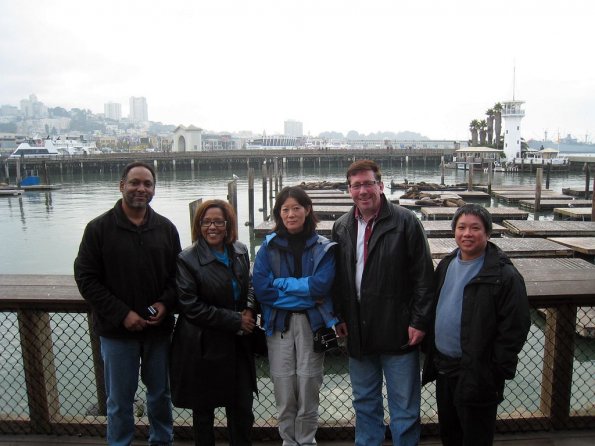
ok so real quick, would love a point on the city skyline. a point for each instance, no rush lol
(427, 67)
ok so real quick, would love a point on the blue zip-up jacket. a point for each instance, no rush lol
(279, 293)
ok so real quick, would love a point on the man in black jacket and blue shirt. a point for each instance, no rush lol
(482, 322)
(126, 268)
(383, 295)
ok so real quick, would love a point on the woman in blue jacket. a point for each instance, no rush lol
(293, 275)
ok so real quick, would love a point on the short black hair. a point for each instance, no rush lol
(131, 166)
(478, 211)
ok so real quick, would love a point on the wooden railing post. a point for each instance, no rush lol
(556, 383)
(40, 369)
(97, 368)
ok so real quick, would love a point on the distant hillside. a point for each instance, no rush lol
(562, 147)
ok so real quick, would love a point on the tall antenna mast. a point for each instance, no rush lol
(513, 80)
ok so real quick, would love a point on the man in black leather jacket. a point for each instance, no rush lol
(482, 321)
(383, 295)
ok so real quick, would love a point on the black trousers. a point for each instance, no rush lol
(462, 425)
(240, 417)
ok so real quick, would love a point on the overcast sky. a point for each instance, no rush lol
(428, 66)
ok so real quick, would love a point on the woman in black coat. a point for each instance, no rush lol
(212, 364)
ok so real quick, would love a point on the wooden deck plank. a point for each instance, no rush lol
(498, 213)
(442, 228)
(583, 214)
(550, 228)
(551, 204)
(576, 192)
(513, 247)
(584, 245)
(515, 198)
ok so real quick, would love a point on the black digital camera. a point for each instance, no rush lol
(150, 311)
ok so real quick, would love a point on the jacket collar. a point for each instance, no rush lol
(123, 221)
(205, 255)
(282, 241)
(494, 258)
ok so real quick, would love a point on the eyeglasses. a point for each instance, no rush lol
(366, 184)
(217, 223)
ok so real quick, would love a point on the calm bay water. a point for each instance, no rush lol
(40, 231)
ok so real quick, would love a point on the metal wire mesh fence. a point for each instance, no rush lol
(50, 375)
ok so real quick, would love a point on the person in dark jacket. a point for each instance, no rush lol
(293, 277)
(482, 320)
(125, 269)
(212, 364)
(383, 294)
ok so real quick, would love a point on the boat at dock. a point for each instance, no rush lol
(10, 192)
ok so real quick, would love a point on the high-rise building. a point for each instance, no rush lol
(33, 109)
(138, 110)
(294, 128)
(113, 110)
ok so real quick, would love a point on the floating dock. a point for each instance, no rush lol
(547, 204)
(550, 228)
(513, 247)
(573, 213)
(498, 214)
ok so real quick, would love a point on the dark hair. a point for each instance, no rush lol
(299, 195)
(131, 166)
(473, 209)
(362, 165)
(231, 234)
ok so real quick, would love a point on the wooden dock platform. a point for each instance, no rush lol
(576, 192)
(548, 204)
(329, 212)
(583, 214)
(582, 245)
(442, 229)
(513, 247)
(550, 228)
(498, 214)
(512, 198)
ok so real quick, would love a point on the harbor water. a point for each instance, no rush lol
(40, 231)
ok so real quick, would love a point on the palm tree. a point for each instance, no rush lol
(474, 127)
(498, 122)
(490, 121)
(483, 125)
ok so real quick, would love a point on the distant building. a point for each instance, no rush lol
(187, 139)
(33, 109)
(9, 110)
(113, 110)
(293, 128)
(512, 113)
(138, 110)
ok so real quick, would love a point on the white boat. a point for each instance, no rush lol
(542, 158)
(27, 151)
(72, 147)
(477, 157)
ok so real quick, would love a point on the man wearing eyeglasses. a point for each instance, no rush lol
(383, 295)
(126, 269)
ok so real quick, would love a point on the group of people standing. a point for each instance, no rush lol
(373, 282)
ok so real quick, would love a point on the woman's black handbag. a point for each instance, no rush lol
(325, 339)
(259, 341)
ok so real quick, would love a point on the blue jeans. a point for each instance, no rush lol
(121, 359)
(404, 395)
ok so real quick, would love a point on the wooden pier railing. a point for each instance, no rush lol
(51, 379)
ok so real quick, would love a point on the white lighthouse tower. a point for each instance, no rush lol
(512, 113)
